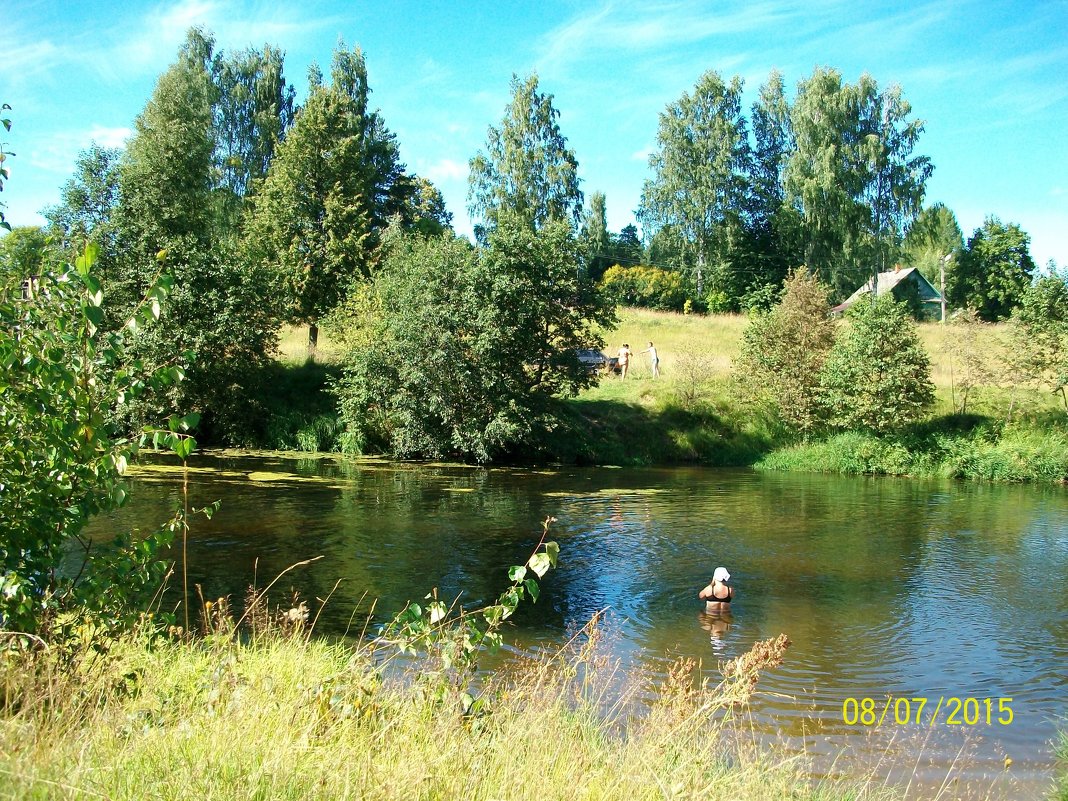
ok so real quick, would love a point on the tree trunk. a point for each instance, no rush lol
(313, 339)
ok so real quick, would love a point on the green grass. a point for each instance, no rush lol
(1061, 750)
(690, 414)
(289, 718)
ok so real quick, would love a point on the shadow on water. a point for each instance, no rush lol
(886, 587)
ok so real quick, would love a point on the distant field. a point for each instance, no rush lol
(712, 339)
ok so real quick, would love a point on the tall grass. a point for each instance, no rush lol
(293, 718)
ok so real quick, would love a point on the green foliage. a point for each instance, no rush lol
(877, 376)
(930, 239)
(982, 453)
(1038, 336)
(648, 287)
(88, 207)
(596, 241)
(527, 169)
(783, 354)
(24, 251)
(853, 175)
(61, 374)
(460, 351)
(332, 187)
(458, 639)
(699, 183)
(222, 325)
(994, 270)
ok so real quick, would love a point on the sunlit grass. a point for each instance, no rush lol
(293, 346)
(298, 719)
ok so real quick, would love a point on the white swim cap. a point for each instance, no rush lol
(721, 574)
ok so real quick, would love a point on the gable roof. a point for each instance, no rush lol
(888, 281)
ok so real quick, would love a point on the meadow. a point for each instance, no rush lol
(692, 413)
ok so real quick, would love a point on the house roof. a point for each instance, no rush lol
(887, 282)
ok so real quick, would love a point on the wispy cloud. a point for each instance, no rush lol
(56, 154)
(446, 170)
(629, 26)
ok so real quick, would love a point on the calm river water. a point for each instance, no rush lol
(886, 587)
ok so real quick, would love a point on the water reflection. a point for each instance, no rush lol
(885, 587)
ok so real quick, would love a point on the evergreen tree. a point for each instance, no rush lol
(596, 241)
(930, 239)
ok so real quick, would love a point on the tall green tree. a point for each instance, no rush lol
(426, 212)
(898, 181)
(464, 350)
(627, 249)
(254, 106)
(166, 181)
(595, 239)
(221, 326)
(329, 192)
(527, 168)
(774, 224)
(934, 236)
(699, 184)
(853, 175)
(24, 252)
(87, 208)
(994, 270)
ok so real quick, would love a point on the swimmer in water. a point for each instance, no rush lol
(718, 594)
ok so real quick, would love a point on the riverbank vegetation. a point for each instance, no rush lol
(279, 715)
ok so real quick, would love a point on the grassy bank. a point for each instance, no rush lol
(282, 718)
(691, 415)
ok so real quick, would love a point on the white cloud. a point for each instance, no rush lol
(622, 26)
(446, 170)
(57, 154)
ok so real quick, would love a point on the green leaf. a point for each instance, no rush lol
(516, 573)
(540, 564)
(552, 550)
(533, 589)
(189, 421)
(173, 423)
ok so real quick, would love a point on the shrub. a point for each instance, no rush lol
(463, 350)
(649, 287)
(61, 375)
(783, 353)
(877, 376)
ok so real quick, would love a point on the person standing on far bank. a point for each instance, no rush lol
(654, 360)
(624, 361)
(718, 594)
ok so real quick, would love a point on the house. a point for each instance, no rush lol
(905, 284)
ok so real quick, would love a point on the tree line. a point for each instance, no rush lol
(268, 212)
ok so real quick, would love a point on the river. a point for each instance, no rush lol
(919, 592)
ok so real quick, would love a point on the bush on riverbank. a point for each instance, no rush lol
(693, 414)
(285, 717)
(986, 452)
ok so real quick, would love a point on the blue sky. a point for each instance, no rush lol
(989, 78)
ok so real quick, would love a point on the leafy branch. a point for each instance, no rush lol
(457, 640)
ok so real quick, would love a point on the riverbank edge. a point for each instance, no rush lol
(599, 432)
(295, 717)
